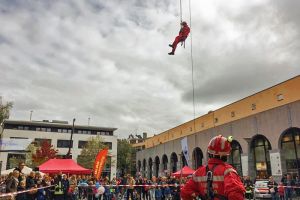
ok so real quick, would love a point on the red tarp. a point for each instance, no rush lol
(186, 171)
(67, 166)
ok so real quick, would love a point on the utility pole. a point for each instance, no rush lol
(69, 155)
(30, 117)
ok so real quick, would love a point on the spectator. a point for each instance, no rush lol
(20, 168)
(289, 184)
(273, 188)
(66, 186)
(130, 182)
(281, 191)
(158, 193)
(31, 185)
(58, 190)
(21, 187)
(13, 182)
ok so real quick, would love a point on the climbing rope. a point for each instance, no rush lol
(192, 64)
(180, 10)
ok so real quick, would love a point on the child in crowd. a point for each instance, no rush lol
(281, 191)
(21, 187)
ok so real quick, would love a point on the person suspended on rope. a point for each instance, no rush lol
(183, 34)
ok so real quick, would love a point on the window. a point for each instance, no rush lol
(253, 106)
(235, 156)
(64, 143)
(84, 132)
(70, 131)
(65, 130)
(59, 130)
(39, 141)
(260, 147)
(79, 131)
(26, 128)
(108, 145)
(89, 132)
(81, 144)
(20, 127)
(48, 130)
(43, 129)
(38, 129)
(290, 145)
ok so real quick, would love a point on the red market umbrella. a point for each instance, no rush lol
(66, 166)
(186, 171)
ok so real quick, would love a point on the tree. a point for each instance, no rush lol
(5, 111)
(90, 151)
(31, 149)
(43, 153)
(126, 157)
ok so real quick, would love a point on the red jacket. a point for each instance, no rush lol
(226, 182)
(184, 31)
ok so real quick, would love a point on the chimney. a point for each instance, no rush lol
(144, 135)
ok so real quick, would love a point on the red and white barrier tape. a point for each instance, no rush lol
(24, 191)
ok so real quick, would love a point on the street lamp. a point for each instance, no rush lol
(69, 155)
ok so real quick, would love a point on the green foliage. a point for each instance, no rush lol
(126, 156)
(5, 110)
(28, 156)
(90, 151)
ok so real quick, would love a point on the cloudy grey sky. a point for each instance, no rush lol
(108, 59)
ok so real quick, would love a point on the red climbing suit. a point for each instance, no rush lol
(183, 34)
(226, 182)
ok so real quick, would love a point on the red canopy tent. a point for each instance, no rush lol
(67, 166)
(186, 171)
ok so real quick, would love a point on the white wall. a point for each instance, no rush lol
(54, 136)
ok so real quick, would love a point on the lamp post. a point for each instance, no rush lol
(69, 155)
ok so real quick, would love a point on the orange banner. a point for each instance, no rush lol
(100, 162)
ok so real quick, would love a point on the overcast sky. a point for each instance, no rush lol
(108, 60)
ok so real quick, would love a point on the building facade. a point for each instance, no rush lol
(265, 127)
(58, 134)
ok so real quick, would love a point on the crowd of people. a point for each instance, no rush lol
(288, 187)
(39, 186)
(73, 187)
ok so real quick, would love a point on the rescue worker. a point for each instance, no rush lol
(217, 180)
(183, 34)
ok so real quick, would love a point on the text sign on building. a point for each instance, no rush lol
(244, 159)
(275, 163)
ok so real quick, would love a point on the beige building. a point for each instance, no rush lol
(265, 127)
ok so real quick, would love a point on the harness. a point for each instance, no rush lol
(210, 193)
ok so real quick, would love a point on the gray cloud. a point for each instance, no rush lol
(108, 60)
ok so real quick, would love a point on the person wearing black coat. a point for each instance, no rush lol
(273, 188)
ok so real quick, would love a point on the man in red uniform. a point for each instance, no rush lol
(183, 34)
(217, 180)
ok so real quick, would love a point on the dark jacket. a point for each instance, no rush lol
(273, 185)
(12, 185)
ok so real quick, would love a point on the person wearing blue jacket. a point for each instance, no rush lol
(158, 193)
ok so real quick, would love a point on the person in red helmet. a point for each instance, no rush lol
(183, 34)
(216, 180)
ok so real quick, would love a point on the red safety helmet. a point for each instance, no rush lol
(219, 145)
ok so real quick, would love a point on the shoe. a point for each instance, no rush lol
(170, 45)
(171, 53)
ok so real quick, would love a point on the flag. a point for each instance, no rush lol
(185, 149)
(100, 162)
